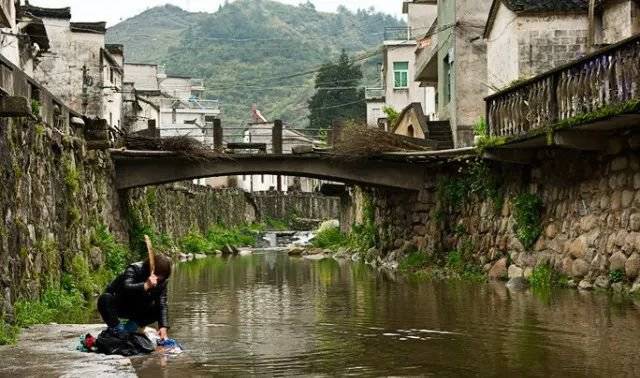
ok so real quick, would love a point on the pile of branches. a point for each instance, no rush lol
(183, 146)
(358, 141)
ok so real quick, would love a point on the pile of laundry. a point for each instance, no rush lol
(128, 343)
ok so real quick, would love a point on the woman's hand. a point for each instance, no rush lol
(162, 333)
(151, 282)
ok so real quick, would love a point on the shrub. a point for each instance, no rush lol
(414, 261)
(116, 255)
(527, 214)
(331, 238)
(55, 305)
(8, 333)
(616, 276)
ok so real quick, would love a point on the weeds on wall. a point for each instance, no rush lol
(616, 276)
(485, 141)
(544, 277)
(64, 300)
(475, 178)
(527, 214)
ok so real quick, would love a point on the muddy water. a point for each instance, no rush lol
(268, 314)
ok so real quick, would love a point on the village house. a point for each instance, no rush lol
(23, 37)
(260, 131)
(528, 37)
(77, 67)
(451, 55)
(172, 105)
(398, 89)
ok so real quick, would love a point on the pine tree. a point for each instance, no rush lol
(346, 102)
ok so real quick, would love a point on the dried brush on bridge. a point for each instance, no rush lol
(183, 146)
(358, 141)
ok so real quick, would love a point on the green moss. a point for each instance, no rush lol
(631, 106)
(40, 129)
(71, 176)
(74, 216)
(17, 170)
(527, 214)
(35, 107)
(151, 197)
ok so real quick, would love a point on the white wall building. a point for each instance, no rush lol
(262, 133)
(398, 88)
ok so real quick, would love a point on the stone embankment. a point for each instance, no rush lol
(576, 212)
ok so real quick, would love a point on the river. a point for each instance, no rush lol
(271, 314)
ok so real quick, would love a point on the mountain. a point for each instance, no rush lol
(253, 51)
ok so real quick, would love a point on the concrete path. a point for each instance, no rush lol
(49, 351)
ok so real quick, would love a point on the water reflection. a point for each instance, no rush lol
(268, 314)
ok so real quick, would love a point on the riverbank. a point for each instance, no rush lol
(49, 350)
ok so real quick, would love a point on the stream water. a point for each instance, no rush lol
(269, 314)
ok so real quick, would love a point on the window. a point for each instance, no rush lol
(400, 74)
(111, 74)
(411, 132)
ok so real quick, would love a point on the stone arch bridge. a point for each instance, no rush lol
(144, 168)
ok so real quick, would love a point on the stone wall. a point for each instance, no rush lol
(277, 205)
(54, 193)
(590, 218)
(176, 209)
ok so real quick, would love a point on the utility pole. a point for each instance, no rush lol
(591, 38)
(85, 85)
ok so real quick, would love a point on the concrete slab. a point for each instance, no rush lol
(49, 351)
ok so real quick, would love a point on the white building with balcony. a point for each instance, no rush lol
(397, 88)
(171, 105)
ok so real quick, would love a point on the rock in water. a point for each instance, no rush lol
(296, 251)
(518, 284)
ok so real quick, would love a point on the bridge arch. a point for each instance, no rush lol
(144, 168)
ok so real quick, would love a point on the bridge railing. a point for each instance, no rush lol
(276, 137)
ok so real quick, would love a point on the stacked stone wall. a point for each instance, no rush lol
(590, 218)
(277, 205)
(54, 193)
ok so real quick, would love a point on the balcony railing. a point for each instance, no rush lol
(397, 33)
(192, 104)
(608, 77)
(373, 93)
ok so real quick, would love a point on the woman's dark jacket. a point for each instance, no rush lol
(129, 288)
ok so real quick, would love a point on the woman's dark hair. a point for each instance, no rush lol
(163, 266)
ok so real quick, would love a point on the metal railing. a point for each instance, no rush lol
(397, 33)
(374, 93)
(192, 104)
(607, 77)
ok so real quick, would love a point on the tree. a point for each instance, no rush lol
(338, 94)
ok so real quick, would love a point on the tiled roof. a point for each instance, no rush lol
(546, 5)
(537, 6)
(64, 13)
(89, 27)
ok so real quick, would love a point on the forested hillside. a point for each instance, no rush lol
(253, 51)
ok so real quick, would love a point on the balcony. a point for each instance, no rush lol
(372, 94)
(426, 57)
(599, 87)
(192, 105)
(400, 33)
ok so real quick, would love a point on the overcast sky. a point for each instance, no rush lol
(114, 11)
